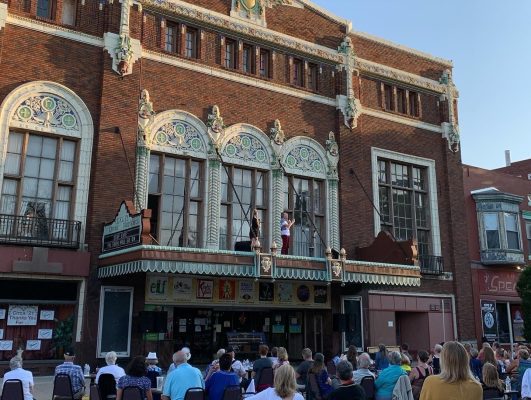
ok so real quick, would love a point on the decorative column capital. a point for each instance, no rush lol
(216, 128)
(349, 105)
(451, 128)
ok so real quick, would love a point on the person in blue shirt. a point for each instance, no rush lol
(218, 381)
(381, 362)
(386, 381)
(182, 378)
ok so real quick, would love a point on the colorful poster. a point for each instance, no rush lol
(157, 287)
(303, 293)
(246, 292)
(182, 288)
(488, 316)
(266, 291)
(205, 289)
(227, 290)
(320, 294)
(285, 292)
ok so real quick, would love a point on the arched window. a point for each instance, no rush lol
(177, 179)
(305, 200)
(46, 165)
(245, 185)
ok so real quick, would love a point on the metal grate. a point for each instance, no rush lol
(36, 231)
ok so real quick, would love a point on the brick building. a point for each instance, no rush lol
(498, 208)
(174, 120)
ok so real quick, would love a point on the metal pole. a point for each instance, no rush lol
(443, 321)
(510, 326)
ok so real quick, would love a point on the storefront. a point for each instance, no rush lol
(211, 313)
(499, 316)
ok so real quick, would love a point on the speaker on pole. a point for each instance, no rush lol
(147, 321)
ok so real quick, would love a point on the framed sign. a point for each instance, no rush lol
(22, 315)
(32, 345)
(47, 315)
(45, 334)
(488, 318)
(125, 231)
(6, 345)
(2, 313)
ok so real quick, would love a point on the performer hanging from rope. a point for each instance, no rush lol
(254, 232)
(285, 225)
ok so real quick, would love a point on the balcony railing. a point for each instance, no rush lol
(39, 232)
(431, 265)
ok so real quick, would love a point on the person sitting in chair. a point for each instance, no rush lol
(77, 380)
(26, 377)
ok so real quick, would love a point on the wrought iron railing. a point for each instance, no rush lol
(431, 265)
(40, 232)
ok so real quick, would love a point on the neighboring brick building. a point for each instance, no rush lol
(196, 113)
(498, 207)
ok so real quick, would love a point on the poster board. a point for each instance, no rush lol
(114, 327)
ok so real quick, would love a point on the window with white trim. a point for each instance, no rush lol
(305, 203)
(39, 176)
(175, 198)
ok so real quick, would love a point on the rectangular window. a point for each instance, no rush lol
(312, 76)
(69, 12)
(305, 203)
(492, 231)
(413, 104)
(296, 72)
(242, 190)
(45, 8)
(230, 54)
(528, 230)
(175, 196)
(388, 97)
(172, 30)
(511, 228)
(404, 202)
(264, 63)
(401, 101)
(191, 43)
(248, 59)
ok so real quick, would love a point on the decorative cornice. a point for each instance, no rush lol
(55, 30)
(219, 20)
(418, 53)
(401, 120)
(399, 75)
(123, 50)
(3, 15)
(236, 77)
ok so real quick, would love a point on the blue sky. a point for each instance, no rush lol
(489, 43)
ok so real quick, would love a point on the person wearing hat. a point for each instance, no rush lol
(75, 373)
(152, 361)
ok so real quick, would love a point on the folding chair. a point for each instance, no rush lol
(195, 393)
(62, 388)
(13, 390)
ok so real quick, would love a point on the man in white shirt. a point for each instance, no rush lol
(18, 373)
(111, 368)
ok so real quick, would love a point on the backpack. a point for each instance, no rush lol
(416, 385)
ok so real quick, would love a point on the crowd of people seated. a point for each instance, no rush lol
(451, 371)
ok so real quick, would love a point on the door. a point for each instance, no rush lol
(351, 307)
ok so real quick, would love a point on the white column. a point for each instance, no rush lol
(142, 175)
(278, 205)
(333, 213)
(214, 203)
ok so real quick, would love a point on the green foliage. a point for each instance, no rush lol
(62, 334)
(524, 290)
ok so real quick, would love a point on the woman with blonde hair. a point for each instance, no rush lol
(492, 385)
(282, 356)
(455, 382)
(284, 386)
(489, 356)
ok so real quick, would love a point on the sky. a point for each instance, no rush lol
(489, 44)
